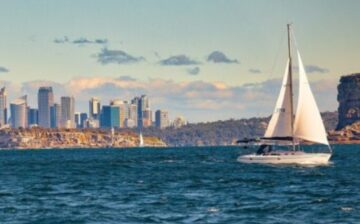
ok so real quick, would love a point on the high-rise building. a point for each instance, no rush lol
(110, 117)
(161, 119)
(77, 119)
(83, 118)
(18, 110)
(147, 117)
(142, 104)
(33, 116)
(45, 101)
(55, 115)
(132, 120)
(94, 108)
(80, 119)
(68, 112)
(3, 107)
(123, 110)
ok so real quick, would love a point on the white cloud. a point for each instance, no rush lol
(197, 100)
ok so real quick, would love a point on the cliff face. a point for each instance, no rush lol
(349, 100)
(36, 138)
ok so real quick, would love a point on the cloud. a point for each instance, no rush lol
(193, 71)
(107, 56)
(3, 69)
(179, 60)
(126, 78)
(80, 41)
(315, 69)
(62, 40)
(220, 57)
(254, 71)
(196, 100)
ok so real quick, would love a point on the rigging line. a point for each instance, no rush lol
(277, 55)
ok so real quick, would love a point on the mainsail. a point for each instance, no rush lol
(308, 124)
(280, 123)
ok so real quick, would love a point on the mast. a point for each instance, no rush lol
(291, 86)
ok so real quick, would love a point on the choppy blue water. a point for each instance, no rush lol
(182, 185)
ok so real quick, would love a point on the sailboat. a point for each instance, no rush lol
(289, 130)
(141, 140)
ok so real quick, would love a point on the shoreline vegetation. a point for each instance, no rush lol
(219, 133)
(42, 138)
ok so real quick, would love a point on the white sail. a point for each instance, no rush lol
(308, 123)
(141, 143)
(280, 123)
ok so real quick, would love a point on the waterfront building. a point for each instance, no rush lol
(161, 119)
(130, 123)
(18, 110)
(55, 115)
(68, 112)
(3, 107)
(45, 101)
(94, 108)
(123, 110)
(133, 114)
(77, 119)
(147, 117)
(91, 123)
(33, 116)
(83, 118)
(110, 117)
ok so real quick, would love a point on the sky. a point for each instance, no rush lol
(205, 60)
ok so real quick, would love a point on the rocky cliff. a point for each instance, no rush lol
(347, 135)
(349, 100)
(36, 138)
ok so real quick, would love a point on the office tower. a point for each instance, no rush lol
(3, 107)
(80, 119)
(142, 104)
(83, 118)
(33, 116)
(123, 110)
(18, 110)
(45, 101)
(132, 116)
(135, 104)
(77, 119)
(147, 117)
(161, 119)
(55, 115)
(94, 108)
(68, 112)
(110, 117)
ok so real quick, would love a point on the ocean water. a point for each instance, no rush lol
(179, 185)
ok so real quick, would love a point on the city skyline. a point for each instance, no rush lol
(135, 48)
(134, 113)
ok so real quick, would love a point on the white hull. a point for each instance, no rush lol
(288, 158)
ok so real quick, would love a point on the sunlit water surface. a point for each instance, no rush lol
(179, 185)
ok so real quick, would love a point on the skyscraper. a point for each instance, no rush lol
(132, 115)
(94, 108)
(45, 101)
(3, 107)
(18, 108)
(123, 110)
(55, 115)
(143, 104)
(68, 112)
(110, 116)
(136, 101)
(33, 116)
(161, 119)
(147, 117)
